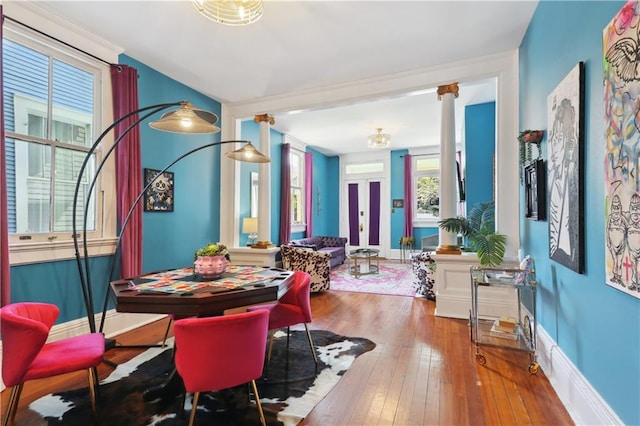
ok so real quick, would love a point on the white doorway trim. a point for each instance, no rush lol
(385, 193)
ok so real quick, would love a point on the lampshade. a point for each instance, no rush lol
(187, 119)
(379, 140)
(230, 12)
(249, 154)
(249, 225)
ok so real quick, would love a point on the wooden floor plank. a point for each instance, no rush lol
(422, 371)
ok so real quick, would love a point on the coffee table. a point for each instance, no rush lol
(365, 261)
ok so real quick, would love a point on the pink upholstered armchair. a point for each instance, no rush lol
(26, 355)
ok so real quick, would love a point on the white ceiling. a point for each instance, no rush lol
(309, 45)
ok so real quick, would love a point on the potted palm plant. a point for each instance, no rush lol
(479, 229)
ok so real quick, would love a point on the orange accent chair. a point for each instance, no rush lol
(26, 355)
(215, 353)
(292, 308)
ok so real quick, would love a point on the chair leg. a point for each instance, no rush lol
(258, 403)
(93, 388)
(194, 407)
(166, 333)
(271, 333)
(313, 349)
(12, 407)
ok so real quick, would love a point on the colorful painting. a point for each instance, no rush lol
(620, 43)
(159, 195)
(565, 120)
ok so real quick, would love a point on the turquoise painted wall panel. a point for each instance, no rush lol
(58, 283)
(170, 239)
(397, 192)
(325, 209)
(480, 142)
(596, 326)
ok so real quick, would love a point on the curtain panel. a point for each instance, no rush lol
(408, 198)
(308, 192)
(285, 194)
(124, 80)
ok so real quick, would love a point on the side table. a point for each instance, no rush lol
(363, 261)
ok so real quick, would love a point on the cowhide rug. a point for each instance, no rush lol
(289, 389)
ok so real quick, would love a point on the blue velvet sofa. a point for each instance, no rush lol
(333, 246)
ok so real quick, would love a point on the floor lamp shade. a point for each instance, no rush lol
(186, 119)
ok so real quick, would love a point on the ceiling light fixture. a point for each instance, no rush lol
(230, 12)
(379, 140)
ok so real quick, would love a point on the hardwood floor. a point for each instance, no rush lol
(422, 371)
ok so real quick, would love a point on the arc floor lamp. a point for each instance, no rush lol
(186, 119)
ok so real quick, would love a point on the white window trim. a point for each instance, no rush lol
(300, 147)
(25, 252)
(431, 222)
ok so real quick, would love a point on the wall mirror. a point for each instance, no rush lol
(254, 194)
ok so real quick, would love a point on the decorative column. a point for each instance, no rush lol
(264, 182)
(447, 93)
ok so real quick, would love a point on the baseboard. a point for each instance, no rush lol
(584, 404)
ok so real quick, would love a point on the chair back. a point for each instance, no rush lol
(299, 294)
(216, 353)
(25, 328)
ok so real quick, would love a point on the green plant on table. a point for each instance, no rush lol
(479, 228)
(212, 249)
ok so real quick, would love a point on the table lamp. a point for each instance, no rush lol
(250, 226)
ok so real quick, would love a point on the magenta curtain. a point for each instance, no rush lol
(124, 80)
(408, 198)
(5, 279)
(308, 192)
(285, 194)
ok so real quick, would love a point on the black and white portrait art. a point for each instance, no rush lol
(565, 120)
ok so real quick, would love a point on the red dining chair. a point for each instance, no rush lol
(291, 309)
(26, 355)
(215, 353)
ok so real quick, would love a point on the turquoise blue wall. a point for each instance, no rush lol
(479, 145)
(397, 192)
(326, 182)
(596, 326)
(170, 239)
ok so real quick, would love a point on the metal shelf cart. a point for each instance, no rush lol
(515, 333)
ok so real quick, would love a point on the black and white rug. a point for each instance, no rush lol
(289, 390)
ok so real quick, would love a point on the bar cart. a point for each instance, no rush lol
(512, 332)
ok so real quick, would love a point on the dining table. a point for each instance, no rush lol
(184, 293)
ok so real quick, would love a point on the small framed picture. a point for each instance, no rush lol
(398, 204)
(535, 191)
(159, 196)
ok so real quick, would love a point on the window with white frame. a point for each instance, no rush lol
(52, 109)
(426, 174)
(297, 171)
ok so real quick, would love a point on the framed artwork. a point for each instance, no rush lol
(159, 196)
(565, 120)
(535, 191)
(621, 152)
(398, 203)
